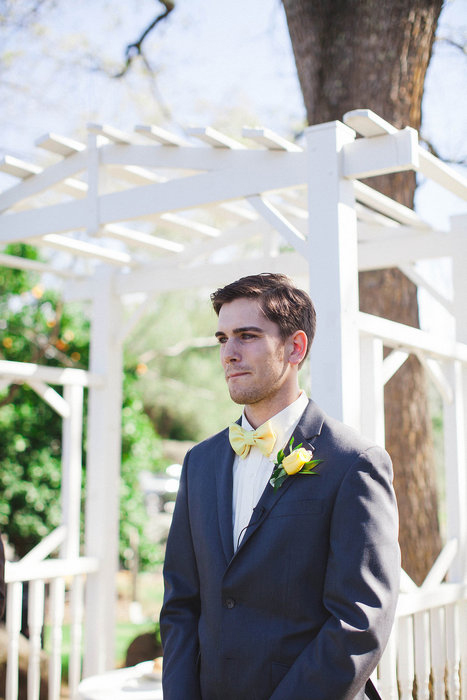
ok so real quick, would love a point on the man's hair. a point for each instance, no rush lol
(279, 300)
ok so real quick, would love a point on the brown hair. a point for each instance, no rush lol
(279, 300)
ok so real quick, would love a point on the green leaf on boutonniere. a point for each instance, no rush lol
(297, 462)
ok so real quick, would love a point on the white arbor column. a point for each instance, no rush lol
(103, 476)
(333, 265)
(72, 432)
(455, 424)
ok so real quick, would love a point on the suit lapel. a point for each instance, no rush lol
(224, 485)
(308, 428)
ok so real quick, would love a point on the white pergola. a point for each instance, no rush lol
(148, 212)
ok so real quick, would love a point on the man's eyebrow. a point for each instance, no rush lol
(244, 329)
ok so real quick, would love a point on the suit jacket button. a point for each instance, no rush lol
(230, 603)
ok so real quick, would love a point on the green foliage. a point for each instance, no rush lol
(36, 327)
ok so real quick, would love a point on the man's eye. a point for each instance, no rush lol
(221, 340)
(247, 336)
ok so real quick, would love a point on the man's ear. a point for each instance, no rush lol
(298, 345)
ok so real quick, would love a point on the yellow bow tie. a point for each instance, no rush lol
(241, 440)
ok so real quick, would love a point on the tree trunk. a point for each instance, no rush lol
(374, 54)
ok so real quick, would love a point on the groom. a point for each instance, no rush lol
(282, 592)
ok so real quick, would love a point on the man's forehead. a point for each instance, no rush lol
(243, 313)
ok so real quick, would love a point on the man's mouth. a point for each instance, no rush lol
(233, 375)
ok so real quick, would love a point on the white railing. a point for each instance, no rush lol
(428, 645)
(64, 576)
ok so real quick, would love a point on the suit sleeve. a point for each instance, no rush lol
(181, 606)
(360, 591)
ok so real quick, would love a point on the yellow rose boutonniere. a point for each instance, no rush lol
(297, 461)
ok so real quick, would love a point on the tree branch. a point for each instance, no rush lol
(136, 48)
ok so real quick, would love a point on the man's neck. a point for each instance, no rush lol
(258, 413)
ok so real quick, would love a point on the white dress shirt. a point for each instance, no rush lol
(251, 475)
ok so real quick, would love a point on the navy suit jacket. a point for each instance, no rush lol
(304, 607)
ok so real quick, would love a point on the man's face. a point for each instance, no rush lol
(253, 354)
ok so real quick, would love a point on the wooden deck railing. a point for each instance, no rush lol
(64, 576)
(428, 646)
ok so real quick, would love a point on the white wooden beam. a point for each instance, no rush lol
(18, 168)
(72, 437)
(186, 223)
(379, 254)
(397, 335)
(385, 205)
(26, 372)
(23, 225)
(109, 132)
(215, 138)
(372, 389)
(51, 177)
(392, 363)
(17, 263)
(51, 397)
(60, 145)
(270, 140)
(139, 238)
(378, 156)
(369, 124)
(421, 281)
(291, 235)
(156, 133)
(85, 249)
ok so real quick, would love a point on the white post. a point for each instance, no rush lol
(71, 470)
(333, 268)
(455, 427)
(103, 477)
(372, 389)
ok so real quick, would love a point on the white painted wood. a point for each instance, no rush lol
(215, 138)
(332, 241)
(404, 251)
(438, 651)
(57, 609)
(25, 371)
(156, 133)
(13, 626)
(206, 275)
(51, 397)
(291, 235)
(392, 363)
(140, 239)
(199, 190)
(50, 543)
(103, 478)
(52, 568)
(50, 178)
(18, 168)
(372, 389)
(270, 140)
(422, 655)
(387, 675)
(450, 179)
(452, 651)
(438, 377)
(18, 263)
(397, 335)
(109, 132)
(441, 566)
(85, 249)
(191, 224)
(463, 646)
(455, 461)
(35, 223)
(385, 205)
(405, 657)
(72, 436)
(76, 634)
(382, 155)
(60, 145)
(35, 624)
(421, 281)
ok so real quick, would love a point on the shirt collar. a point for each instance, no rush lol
(284, 422)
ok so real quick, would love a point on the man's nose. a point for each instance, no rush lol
(230, 352)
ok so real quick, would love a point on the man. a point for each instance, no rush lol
(283, 592)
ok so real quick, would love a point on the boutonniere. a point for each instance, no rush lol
(297, 461)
